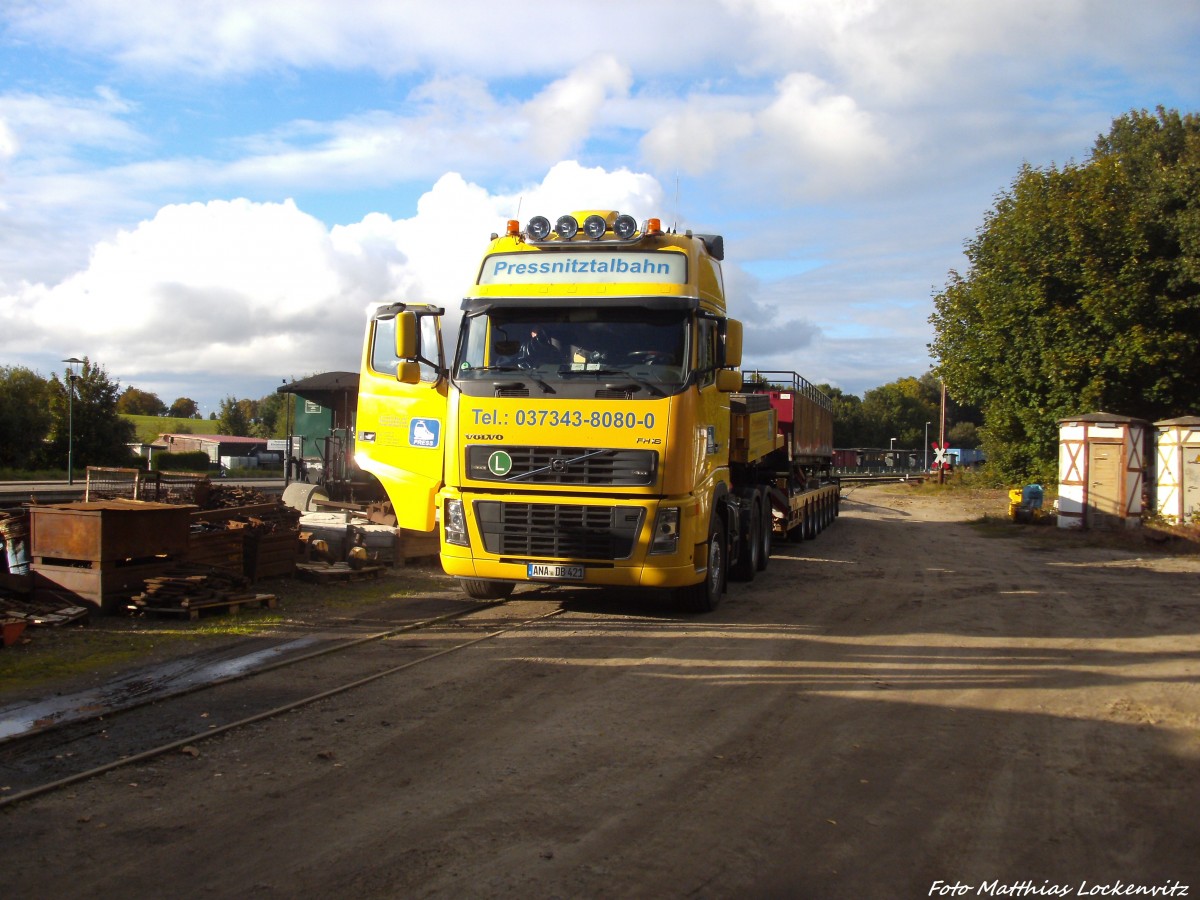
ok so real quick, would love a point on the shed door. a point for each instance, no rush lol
(1191, 481)
(1104, 485)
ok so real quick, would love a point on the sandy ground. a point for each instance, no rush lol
(907, 706)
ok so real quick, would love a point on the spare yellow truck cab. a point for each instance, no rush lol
(581, 433)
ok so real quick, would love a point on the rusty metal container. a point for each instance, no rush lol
(101, 551)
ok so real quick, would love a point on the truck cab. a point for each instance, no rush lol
(580, 433)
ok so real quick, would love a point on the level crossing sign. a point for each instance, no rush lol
(940, 460)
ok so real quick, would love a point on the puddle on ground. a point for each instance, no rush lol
(159, 681)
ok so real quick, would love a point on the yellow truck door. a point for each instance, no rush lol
(402, 410)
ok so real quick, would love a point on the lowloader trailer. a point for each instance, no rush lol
(593, 426)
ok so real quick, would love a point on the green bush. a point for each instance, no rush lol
(195, 461)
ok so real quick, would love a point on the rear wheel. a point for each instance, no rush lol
(706, 596)
(483, 589)
(767, 535)
(750, 545)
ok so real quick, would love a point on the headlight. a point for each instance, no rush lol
(594, 227)
(567, 227)
(538, 228)
(666, 531)
(456, 524)
(625, 227)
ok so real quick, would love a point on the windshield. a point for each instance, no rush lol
(560, 345)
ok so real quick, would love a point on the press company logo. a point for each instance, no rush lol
(424, 433)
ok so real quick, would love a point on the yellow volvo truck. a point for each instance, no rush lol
(592, 427)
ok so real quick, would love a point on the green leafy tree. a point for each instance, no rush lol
(899, 410)
(272, 421)
(1083, 293)
(25, 417)
(89, 418)
(184, 408)
(964, 435)
(848, 424)
(234, 417)
(136, 402)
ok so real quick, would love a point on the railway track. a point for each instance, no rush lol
(55, 757)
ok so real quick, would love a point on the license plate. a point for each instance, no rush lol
(555, 573)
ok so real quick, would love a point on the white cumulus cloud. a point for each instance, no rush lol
(245, 292)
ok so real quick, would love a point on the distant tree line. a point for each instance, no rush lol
(136, 402)
(36, 418)
(34, 421)
(901, 410)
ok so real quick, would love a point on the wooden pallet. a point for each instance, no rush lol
(231, 605)
(328, 573)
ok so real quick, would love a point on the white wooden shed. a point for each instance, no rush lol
(1178, 476)
(1102, 470)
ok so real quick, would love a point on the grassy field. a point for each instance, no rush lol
(150, 427)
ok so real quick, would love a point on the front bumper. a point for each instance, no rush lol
(508, 533)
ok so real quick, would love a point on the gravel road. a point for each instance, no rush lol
(907, 706)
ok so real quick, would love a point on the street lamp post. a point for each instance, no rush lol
(71, 376)
(892, 451)
(927, 424)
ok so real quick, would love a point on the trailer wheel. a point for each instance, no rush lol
(810, 523)
(749, 545)
(767, 534)
(797, 532)
(483, 589)
(706, 596)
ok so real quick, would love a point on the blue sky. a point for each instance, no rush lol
(206, 197)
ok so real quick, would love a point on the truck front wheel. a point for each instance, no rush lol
(482, 589)
(706, 596)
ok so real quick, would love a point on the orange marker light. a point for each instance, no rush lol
(653, 226)
(514, 228)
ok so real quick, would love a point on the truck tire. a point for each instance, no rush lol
(795, 534)
(706, 596)
(749, 544)
(483, 589)
(767, 535)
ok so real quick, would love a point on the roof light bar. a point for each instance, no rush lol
(597, 226)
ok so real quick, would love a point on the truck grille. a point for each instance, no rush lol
(561, 465)
(555, 530)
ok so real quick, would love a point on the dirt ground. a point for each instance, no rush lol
(913, 704)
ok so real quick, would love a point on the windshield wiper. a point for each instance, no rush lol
(519, 370)
(609, 373)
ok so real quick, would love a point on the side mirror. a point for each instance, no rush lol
(733, 344)
(729, 380)
(408, 372)
(407, 336)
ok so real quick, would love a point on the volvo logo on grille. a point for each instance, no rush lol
(558, 464)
